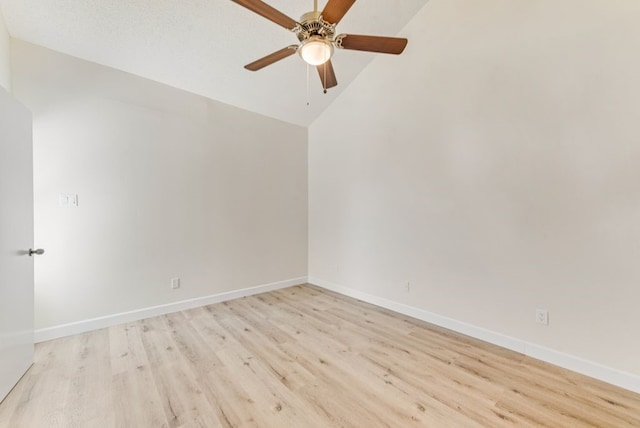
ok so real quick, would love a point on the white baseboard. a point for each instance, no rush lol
(78, 327)
(597, 371)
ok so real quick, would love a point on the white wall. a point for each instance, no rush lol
(170, 184)
(496, 166)
(5, 60)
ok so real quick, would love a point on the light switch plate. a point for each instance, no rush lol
(66, 200)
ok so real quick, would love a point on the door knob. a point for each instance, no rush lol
(39, 251)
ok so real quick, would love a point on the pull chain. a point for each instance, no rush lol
(308, 85)
(324, 82)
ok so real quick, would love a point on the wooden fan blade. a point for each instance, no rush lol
(268, 12)
(270, 59)
(327, 75)
(390, 45)
(335, 10)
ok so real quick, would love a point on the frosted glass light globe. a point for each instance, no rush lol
(316, 50)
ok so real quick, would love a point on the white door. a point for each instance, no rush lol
(16, 239)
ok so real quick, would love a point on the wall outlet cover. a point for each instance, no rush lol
(542, 316)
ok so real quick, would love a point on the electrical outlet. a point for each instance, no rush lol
(175, 283)
(542, 316)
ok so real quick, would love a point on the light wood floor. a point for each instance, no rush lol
(300, 357)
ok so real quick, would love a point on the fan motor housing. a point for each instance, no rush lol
(312, 24)
(310, 16)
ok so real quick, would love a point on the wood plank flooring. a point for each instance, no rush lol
(300, 357)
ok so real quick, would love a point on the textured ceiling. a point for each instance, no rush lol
(202, 45)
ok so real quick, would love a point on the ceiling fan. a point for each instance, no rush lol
(316, 32)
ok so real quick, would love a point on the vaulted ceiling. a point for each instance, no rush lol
(202, 45)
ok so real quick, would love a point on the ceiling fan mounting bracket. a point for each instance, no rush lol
(312, 24)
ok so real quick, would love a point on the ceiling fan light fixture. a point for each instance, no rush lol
(316, 50)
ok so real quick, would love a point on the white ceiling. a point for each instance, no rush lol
(202, 45)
